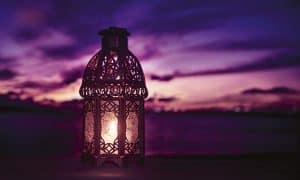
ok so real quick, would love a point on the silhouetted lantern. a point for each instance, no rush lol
(113, 88)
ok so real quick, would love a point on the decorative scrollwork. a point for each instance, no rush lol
(132, 148)
(132, 106)
(109, 148)
(109, 106)
(111, 74)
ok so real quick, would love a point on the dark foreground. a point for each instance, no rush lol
(157, 168)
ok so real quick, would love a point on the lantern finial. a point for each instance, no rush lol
(114, 38)
(114, 31)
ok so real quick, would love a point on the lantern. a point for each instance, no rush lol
(113, 88)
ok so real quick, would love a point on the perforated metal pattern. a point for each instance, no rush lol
(109, 74)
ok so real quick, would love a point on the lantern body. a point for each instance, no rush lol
(113, 88)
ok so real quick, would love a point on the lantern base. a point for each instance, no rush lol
(123, 161)
(119, 161)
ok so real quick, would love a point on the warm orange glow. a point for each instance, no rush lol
(110, 129)
(132, 127)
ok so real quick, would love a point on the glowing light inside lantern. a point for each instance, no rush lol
(115, 57)
(110, 128)
(132, 127)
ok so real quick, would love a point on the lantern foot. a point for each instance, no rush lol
(119, 162)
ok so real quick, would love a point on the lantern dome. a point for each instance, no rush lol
(113, 71)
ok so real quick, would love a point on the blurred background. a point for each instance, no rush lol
(223, 76)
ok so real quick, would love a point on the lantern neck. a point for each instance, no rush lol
(114, 38)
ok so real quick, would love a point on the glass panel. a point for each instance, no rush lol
(109, 127)
(132, 127)
(89, 127)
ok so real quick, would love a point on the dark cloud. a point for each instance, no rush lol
(7, 61)
(150, 51)
(31, 84)
(167, 99)
(39, 85)
(7, 74)
(12, 95)
(169, 25)
(183, 17)
(274, 90)
(161, 78)
(82, 20)
(68, 77)
(25, 35)
(250, 44)
(61, 51)
(161, 99)
(72, 75)
(279, 61)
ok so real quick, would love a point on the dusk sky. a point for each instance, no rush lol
(193, 53)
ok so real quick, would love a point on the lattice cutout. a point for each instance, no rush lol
(110, 106)
(109, 148)
(132, 105)
(133, 71)
(132, 148)
(113, 74)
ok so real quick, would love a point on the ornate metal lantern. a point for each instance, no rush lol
(113, 88)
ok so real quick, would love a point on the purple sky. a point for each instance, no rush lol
(197, 53)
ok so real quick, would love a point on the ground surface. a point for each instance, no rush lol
(155, 168)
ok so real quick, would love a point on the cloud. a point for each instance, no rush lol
(44, 86)
(7, 74)
(279, 61)
(155, 18)
(250, 44)
(61, 51)
(149, 52)
(167, 99)
(161, 78)
(26, 34)
(48, 43)
(274, 90)
(68, 77)
(7, 61)
(32, 84)
(72, 75)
